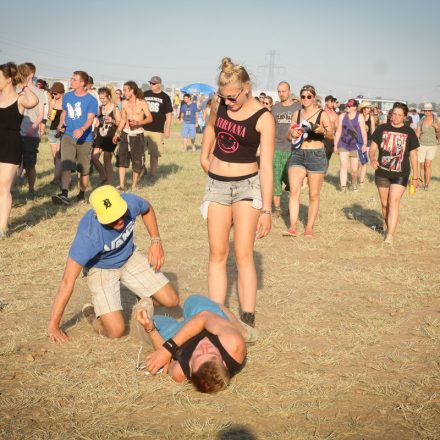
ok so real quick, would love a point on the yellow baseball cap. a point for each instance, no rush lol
(108, 204)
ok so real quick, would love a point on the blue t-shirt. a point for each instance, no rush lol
(97, 245)
(189, 113)
(77, 109)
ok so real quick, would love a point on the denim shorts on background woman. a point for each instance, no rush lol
(313, 161)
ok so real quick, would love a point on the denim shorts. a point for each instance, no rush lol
(313, 161)
(51, 137)
(231, 191)
(188, 130)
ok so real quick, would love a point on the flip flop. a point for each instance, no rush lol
(308, 234)
(290, 233)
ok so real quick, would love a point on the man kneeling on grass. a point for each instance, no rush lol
(208, 347)
(104, 248)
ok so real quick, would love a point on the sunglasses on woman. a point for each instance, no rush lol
(306, 96)
(232, 99)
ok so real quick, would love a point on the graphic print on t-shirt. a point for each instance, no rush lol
(393, 146)
(226, 140)
(74, 112)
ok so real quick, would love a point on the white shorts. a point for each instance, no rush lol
(136, 274)
(426, 152)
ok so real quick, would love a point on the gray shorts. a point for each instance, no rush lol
(231, 191)
(136, 274)
(73, 153)
(313, 161)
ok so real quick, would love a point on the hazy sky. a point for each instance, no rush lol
(346, 47)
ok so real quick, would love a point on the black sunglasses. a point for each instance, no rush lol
(232, 99)
(152, 84)
(306, 96)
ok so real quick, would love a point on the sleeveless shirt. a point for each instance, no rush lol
(188, 348)
(350, 133)
(236, 141)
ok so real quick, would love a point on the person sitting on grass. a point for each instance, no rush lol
(208, 347)
(104, 247)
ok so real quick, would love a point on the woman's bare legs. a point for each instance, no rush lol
(296, 178)
(8, 171)
(354, 165)
(245, 226)
(343, 170)
(394, 197)
(315, 184)
(383, 195)
(108, 167)
(96, 154)
(219, 226)
(55, 149)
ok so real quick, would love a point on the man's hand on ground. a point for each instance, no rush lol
(156, 256)
(160, 358)
(56, 334)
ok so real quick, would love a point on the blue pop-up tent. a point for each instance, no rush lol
(201, 88)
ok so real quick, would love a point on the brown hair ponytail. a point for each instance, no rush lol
(18, 74)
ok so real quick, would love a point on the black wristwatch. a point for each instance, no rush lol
(172, 347)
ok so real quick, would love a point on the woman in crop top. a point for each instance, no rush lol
(351, 129)
(309, 127)
(236, 192)
(12, 106)
(53, 135)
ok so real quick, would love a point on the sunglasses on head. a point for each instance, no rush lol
(232, 99)
(306, 96)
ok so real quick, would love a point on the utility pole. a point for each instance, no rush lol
(271, 66)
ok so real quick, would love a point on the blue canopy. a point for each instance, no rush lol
(204, 89)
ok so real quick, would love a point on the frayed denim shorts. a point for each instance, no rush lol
(227, 192)
(313, 161)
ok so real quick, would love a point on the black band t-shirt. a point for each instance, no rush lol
(394, 145)
(159, 105)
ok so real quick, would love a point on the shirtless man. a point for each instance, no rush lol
(330, 102)
(135, 114)
(208, 347)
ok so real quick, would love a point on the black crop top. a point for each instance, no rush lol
(188, 348)
(236, 141)
(312, 136)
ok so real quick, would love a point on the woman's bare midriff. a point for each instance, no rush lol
(229, 169)
(312, 145)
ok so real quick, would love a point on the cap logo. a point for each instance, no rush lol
(107, 203)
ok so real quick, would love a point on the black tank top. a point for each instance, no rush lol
(312, 136)
(188, 348)
(236, 141)
(56, 120)
(10, 118)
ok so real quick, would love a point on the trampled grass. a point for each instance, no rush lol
(350, 328)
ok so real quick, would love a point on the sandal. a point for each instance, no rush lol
(290, 233)
(308, 234)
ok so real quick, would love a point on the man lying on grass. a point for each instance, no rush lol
(104, 248)
(208, 347)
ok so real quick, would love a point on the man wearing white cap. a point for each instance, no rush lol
(161, 109)
(104, 248)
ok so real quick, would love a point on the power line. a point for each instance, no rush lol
(271, 66)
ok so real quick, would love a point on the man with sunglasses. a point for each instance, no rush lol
(104, 248)
(161, 109)
(189, 113)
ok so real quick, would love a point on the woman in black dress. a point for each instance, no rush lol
(12, 105)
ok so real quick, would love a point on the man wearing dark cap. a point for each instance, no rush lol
(161, 109)
(330, 103)
(104, 247)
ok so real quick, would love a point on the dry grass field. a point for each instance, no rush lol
(349, 328)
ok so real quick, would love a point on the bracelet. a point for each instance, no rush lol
(156, 240)
(262, 211)
(173, 348)
(151, 330)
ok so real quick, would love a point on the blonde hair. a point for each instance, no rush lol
(231, 73)
(18, 74)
